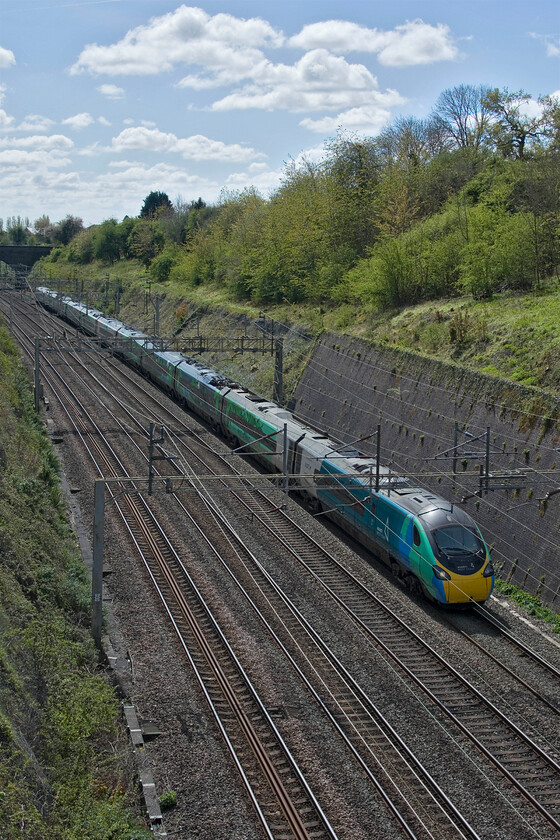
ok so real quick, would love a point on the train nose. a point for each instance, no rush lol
(478, 587)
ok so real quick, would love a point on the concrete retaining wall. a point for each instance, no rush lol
(350, 386)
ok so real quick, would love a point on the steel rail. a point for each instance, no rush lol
(466, 729)
(298, 826)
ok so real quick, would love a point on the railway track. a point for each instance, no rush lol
(531, 769)
(482, 623)
(277, 787)
(416, 802)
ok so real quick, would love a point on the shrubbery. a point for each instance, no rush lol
(466, 201)
(65, 771)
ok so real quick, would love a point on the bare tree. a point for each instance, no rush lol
(410, 142)
(464, 114)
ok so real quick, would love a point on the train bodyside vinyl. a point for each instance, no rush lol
(427, 540)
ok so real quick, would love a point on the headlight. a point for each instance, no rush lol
(489, 570)
(441, 573)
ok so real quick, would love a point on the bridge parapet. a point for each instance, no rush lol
(17, 255)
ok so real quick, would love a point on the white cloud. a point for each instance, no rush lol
(35, 122)
(531, 109)
(7, 58)
(366, 120)
(551, 42)
(197, 147)
(93, 150)
(265, 181)
(21, 158)
(318, 81)
(144, 139)
(226, 51)
(79, 121)
(413, 42)
(111, 91)
(6, 122)
(132, 181)
(40, 141)
(186, 36)
(103, 121)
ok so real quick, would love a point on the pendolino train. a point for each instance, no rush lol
(429, 542)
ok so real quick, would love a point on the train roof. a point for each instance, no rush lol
(330, 454)
(130, 332)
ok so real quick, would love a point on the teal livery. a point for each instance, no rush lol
(430, 543)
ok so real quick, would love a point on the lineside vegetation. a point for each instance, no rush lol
(464, 202)
(65, 763)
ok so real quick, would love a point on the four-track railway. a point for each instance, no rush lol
(358, 715)
(428, 541)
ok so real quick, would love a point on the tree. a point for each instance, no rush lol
(409, 142)
(42, 227)
(464, 114)
(513, 128)
(67, 229)
(146, 240)
(18, 230)
(351, 176)
(153, 203)
(107, 241)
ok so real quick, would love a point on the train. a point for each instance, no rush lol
(430, 543)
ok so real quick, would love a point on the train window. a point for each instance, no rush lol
(416, 534)
(344, 491)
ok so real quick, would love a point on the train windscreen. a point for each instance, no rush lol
(461, 549)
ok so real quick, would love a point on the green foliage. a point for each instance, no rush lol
(160, 267)
(466, 201)
(168, 800)
(17, 229)
(107, 242)
(145, 240)
(154, 202)
(529, 603)
(61, 752)
(67, 229)
(81, 249)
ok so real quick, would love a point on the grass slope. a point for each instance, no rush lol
(65, 765)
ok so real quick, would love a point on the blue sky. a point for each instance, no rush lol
(102, 101)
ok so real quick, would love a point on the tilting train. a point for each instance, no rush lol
(428, 541)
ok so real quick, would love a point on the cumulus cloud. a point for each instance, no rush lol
(6, 122)
(79, 121)
(413, 42)
(111, 91)
(226, 51)
(196, 147)
(132, 181)
(368, 120)
(186, 36)
(23, 158)
(264, 181)
(35, 122)
(318, 81)
(39, 141)
(7, 58)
